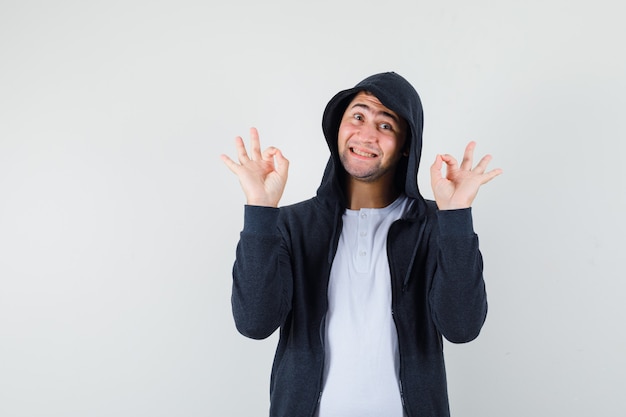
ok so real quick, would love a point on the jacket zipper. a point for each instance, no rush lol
(394, 296)
(404, 406)
(321, 377)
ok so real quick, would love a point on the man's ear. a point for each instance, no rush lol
(407, 146)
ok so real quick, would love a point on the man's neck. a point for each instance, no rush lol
(377, 194)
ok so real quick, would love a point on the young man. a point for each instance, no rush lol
(365, 278)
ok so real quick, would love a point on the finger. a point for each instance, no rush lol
(490, 175)
(242, 154)
(482, 165)
(451, 163)
(468, 156)
(435, 171)
(232, 165)
(269, 153)
(273, 154)
(255, 145)
(282, 164)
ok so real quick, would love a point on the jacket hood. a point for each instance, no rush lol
(395, 93)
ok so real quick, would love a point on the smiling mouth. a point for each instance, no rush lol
(363, 153)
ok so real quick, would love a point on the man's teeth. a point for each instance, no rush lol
(361, 153)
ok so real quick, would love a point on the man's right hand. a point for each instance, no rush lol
(262, 175)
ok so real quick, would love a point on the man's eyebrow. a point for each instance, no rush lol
(386, 113)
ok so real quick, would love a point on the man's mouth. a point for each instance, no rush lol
(363, 153)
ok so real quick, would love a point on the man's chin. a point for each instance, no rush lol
(365, 176)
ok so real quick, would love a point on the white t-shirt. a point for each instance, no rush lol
(362, 362)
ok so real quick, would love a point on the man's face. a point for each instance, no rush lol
(371, 138)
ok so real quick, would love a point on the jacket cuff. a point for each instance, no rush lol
(455, 222)
(260, 220)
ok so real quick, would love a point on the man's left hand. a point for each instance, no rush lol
(460, 185)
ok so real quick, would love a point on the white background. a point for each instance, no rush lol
(118, 221)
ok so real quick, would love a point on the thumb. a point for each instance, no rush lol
(435, 170)
(282, 164)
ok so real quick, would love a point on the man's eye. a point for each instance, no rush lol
(358, 117)
(385, 126)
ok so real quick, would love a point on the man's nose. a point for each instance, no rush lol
(369, 132)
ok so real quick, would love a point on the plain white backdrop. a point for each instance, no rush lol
(118, 221)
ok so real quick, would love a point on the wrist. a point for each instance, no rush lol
(261, 203)
(452, 206)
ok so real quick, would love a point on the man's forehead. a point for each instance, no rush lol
(369, 100)
(368, 96)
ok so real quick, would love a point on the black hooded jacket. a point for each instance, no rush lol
(284, 257)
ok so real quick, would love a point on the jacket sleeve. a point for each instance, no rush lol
(262, 283)
(458, 298)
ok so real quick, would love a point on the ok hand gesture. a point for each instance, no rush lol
(459, 187)
(262, 175)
